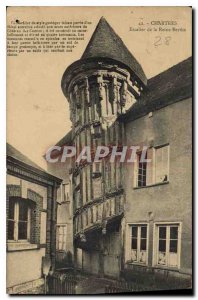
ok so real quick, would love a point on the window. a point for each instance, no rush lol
(97, 213)
(86, 218)
(19, 220)
(142, 166)
(139, 243)
(65, 192)
(167, 245)
(91, 216)
(61, 237)
(108, 175)
(97, 132)
(77, 198)
(155, 170)
(97, 167)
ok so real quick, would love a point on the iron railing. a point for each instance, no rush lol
(62, 284)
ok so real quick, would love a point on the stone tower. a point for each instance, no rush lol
(100, 87)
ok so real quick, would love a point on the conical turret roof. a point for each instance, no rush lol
(105, 43)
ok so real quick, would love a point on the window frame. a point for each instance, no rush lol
(57, 236)
(16, 223)
(65, 192)
(156, 244)
(129, 241)
(143, 164)
(153, 167)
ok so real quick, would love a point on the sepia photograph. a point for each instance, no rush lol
(99, 150)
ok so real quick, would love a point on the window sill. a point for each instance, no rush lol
(160, 268)
(166, 268)
(20, 246)
(137, 264)
(150, 185)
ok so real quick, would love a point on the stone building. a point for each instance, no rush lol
(130, 217)
(64, 232)
(31, 222)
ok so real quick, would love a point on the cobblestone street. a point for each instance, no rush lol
(34, 291)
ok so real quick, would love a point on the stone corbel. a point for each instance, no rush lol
(82, 237)
(104, 227)
(100, 86)
(114, 88)
(140, 89)
(72, 108)
(124, 93)
(87, 90)
(77, 98)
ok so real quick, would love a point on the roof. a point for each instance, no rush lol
(105, 43)
(17, 155)
(13, 152)
(168, 87)
(66, 140)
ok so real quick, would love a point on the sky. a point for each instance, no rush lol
(37, 111)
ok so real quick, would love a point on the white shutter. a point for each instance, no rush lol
(161, 164)
(135, 166)
(149, 167)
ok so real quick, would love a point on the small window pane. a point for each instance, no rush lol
(134, 243)
(173, 259)
(10, 230)
(162, 232)
(142, 257)
(141, 171)
(162, 245)
(22, 231)
(174, 233)
(11, 209)
(134, 255)
(162, 258)
(173, 246)
(134, 231)
(143, 244)
(23, 211)
(143, 232)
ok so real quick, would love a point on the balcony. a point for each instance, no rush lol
(98, 214)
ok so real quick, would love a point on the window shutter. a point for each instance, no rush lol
(135, 165)
(161, 163)
(149, 169)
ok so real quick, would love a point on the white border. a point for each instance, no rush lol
(3, 4)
